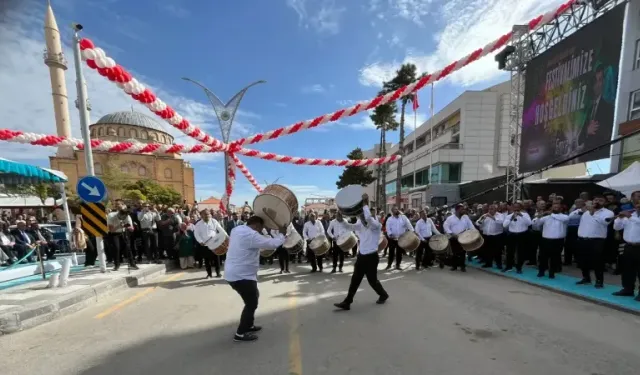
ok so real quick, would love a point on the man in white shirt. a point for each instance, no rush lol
(592, 235)
(148, 218)
(490, 225)
(554, 231)
(337, 227)
(204, 231)
(396, 225)
(630, 223)
(454, 225)
(311, 230)
(369, 231)
(517, 223)
(241, 270)
(425, 228)
(120, 228)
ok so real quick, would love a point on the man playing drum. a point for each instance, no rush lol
(311, 230)
(454, 225)
(369, 230)
(337, 228)
(425, 228)
(396, 226)
(204, 231)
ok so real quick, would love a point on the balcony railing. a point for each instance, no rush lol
(54, 58)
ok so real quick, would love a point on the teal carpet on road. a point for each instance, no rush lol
(567, 284)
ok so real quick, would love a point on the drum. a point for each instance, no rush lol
(439, 243)
(470, 240)
(383, 242)
(320, 245)
(293, 243)
(347, 241)
(280, 204)
(349, 200)
(409, 241)
(219, 244)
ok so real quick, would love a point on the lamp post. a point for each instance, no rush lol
(225, 114)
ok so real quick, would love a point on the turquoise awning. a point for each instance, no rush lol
(12, 173)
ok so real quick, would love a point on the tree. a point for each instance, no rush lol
(152, 192)
(384, 117)
(404, 76)
(114, 179)
(133, 195)
(355, 175)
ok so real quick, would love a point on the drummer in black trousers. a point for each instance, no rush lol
(337, 227)
(425, 228)
(311, 230)
(454, 225)
(396, 226)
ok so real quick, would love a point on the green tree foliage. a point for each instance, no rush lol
(384, 117)
(134, 195)
(355, 175)
(114, 179)
(152, 191)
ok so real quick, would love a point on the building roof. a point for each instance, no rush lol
(210, 200)
(131, 118)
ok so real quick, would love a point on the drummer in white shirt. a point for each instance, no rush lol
(337, 227)
(630, 223)
(554, 230)
(592, 235)
(425, 228)
(490, 225)
(397, 224)
(454, 225)
(311, 230)
(204, 231)
(517, 223)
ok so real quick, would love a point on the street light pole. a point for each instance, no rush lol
(225, 114)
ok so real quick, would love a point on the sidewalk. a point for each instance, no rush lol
(565, 283)
(29, 305)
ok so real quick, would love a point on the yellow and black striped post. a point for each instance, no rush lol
(94, 219)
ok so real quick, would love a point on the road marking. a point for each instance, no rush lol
(295, 354)
(134, 298)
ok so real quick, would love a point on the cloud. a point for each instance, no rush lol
(300, 8)
(412, 10)
(467, 25)
(175, 10)
(324, 19)
(314, 89)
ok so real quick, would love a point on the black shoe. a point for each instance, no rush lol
(624, 293)
(398, 268)
(552, 275)
(208, 277)
(441, 266)
(333, 270)
(255, 329)
(246, 337)
(506, 269)
(599, 285)
(116, 268)
(540, 274)
(340, 270)
(453, 269)
(218, 276)
(343, 305)
(486, 266)
(134, 267)
(463, 270)
(287, 271)
(583, 282)
(637, 298)
(312, 271)
(387, 268)
(382, 299)
(519, 272)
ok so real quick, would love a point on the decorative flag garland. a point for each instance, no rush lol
(246, 172)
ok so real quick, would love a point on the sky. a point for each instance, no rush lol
(317, 56)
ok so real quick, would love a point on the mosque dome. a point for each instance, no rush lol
(127, 126)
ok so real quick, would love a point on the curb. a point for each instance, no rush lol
(563, 292)
(36, 315)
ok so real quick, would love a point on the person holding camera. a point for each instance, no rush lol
(148, 218)
(120, 228)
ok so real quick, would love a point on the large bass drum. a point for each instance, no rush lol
(439, 244)
(280, 204)
(266, 253)
(219, 244)
(349, 200)
(293, 243)
(409, 241)
(383, 242)
(347, 241)
(470, 240)
(320, 245)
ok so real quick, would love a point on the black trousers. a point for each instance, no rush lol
(209, 259)
(517, 249)
(283, 258)
(550, 255)
(395, 252)
(90, 254)
(458, 256)
(119, 242)
(248, 290)
(590, 257)
(532, 246)
(338, 256)
(424, 255)
(493, 249)
(630, 266)
(316, 262)
(167, 245)
(366, 265)
(570, 244)
(150, 244)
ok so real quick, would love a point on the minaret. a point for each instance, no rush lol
(54, 59)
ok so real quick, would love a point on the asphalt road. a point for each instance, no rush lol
(436, 322)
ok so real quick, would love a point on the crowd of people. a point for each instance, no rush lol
(23, 240)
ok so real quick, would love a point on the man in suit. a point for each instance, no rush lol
(234, 222)
(24, 241)
(44, 238)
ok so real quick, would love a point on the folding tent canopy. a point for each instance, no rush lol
(626, 181)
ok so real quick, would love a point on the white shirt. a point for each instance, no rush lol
(396, 226)
(594, 226)
(492, 226)
(425, 229)
(115, 221)
(553, 226)
(337, 228)
(519, 225)
(631, 226)
(204, 231)
(148, 219)
(455, 225)
(311, 230)
(243, 256)
(369, 234)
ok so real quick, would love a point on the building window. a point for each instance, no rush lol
(163, 139)
(142, 171)
(153, 137)
(111, 131)
(124, 168)
(416, 203)
(97, 168)
(634, 106)
(636, 64)
(144, 134)
(168, 173)
(390, 188)
(100, 131)
(407, 182)
(93, 132)
(122, 133)
(450, 173)
(421, 141)
(133, 133)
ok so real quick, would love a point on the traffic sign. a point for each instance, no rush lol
(91, 189)
(94, 219)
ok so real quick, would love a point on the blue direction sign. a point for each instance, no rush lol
(91, 189)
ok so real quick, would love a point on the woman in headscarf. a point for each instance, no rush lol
(185, 246)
